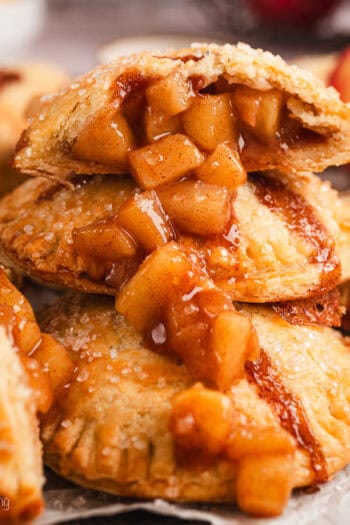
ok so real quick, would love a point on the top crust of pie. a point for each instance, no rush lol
(44, 148)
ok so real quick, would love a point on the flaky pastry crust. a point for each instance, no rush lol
(110, 430)
(273, 260)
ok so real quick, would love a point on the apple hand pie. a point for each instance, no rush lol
(134, 423)
(163, 117)
(29, 378)
(276, 239)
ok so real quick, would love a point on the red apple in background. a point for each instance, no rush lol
(302, 12)
(340, 77)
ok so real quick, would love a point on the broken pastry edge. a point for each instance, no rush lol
(27, 501)
(240, 61)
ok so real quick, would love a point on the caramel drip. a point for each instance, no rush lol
(322, 310)
(184, 58)
(6, 77)
(289, 410)
(198, 83)
(301, 219)
(128, 83)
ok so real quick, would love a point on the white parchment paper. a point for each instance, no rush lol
(330, 505)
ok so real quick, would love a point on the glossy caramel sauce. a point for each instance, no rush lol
(129, 82)
(322, 310)
(289, 410)
(302, 220)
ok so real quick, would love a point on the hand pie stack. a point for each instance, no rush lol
(183, 186)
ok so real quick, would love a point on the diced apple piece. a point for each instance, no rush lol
(232, 341)
(340, 77)
(54, 358)
(211, 120)
(264, 484)
(106, 139)
(100, 243)
(223, 167)
(133, 108)
(196, 207)
(142, 215)
(201, 419)
(171, 95)
(103, 240)
(255, 440)
(158, 124)
(145, 296)
(260, 110)
(168, 159)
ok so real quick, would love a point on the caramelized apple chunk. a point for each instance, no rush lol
(209, 335)
(158, 124)
(259, 110)
(264, 483)
(142, 215)
(196, 207)
(102, 241)
(211, 120)
(255, 440)
(233, 341)
(106, 139)
(223, 167)
(201, 419)
(144, 297)
(168, 159)
(171, 95)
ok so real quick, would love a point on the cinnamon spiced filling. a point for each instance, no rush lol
(164, 129)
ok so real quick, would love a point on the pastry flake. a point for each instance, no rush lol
(128, 114)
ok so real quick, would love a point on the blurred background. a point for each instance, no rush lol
(74, 34)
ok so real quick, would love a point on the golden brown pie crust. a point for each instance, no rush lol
(110, 430)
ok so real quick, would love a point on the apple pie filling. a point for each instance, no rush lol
(178, 237)
(166, 129)
(188, 151)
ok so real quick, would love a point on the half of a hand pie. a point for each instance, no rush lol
(21, 476)
(163, 117)
(280, 238)
(110, 429)
(33, 366)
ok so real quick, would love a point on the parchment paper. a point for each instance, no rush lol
(330, 505)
